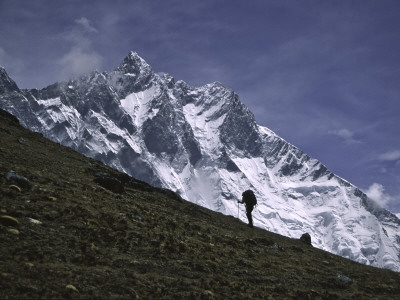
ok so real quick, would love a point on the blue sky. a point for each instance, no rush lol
(324, 75)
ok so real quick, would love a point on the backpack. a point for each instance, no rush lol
(249, 198)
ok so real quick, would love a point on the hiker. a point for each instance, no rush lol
(250, 200)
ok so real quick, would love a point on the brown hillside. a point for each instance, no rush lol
(79, 229)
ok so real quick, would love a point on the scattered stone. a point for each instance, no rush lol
(21, 140)
(276, 246)
(13, 231)
(34, 221)
(109, 182)
(15, 187)
(9, 221)
(208, 293)
(71, 287)
(94, 247)
(306, 239)
(344, 279)
(132, 216)
(12, 178)
(137, 217)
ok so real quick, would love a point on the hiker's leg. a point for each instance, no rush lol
(249, 217)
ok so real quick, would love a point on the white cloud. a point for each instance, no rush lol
(85, 23)
(77, 62)
(390, 156)
(81, 58)
(376, 192)
(346, 135)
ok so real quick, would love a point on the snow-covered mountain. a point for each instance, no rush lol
(204, 143)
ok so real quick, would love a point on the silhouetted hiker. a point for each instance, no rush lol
(250, 200)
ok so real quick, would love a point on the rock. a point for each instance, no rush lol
(13, 178)
(109, 182)
(9, 221)
(71, 288)
(15, 188)
(34, 221)
(13, 231)
(344, 279)
(306, 239)
(278, 247)
(208, 294)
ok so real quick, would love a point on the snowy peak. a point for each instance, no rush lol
(133, 64)
(132, 75)
(204, 143)
(219, 109)
(6, 83)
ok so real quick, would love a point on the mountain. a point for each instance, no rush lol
(205, 144)
(66, 231)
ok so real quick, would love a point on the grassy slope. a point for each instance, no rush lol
(145, 244)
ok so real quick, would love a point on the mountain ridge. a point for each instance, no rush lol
(205, 144)
(72, 227)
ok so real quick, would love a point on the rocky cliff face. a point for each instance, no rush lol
(204, 143)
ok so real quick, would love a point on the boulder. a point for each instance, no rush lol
(13, 178)
(344, 279)
(109, 182)
(306, 239)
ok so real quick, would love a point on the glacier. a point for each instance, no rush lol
(205, 144)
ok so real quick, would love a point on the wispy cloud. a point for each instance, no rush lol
(346, 134)
(78, 62)
(390, 156)
(85, 23)
(81, 58)
(376, 192)
(8, 61)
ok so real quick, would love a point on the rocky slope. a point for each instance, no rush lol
(71, 227)
(206, 145)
